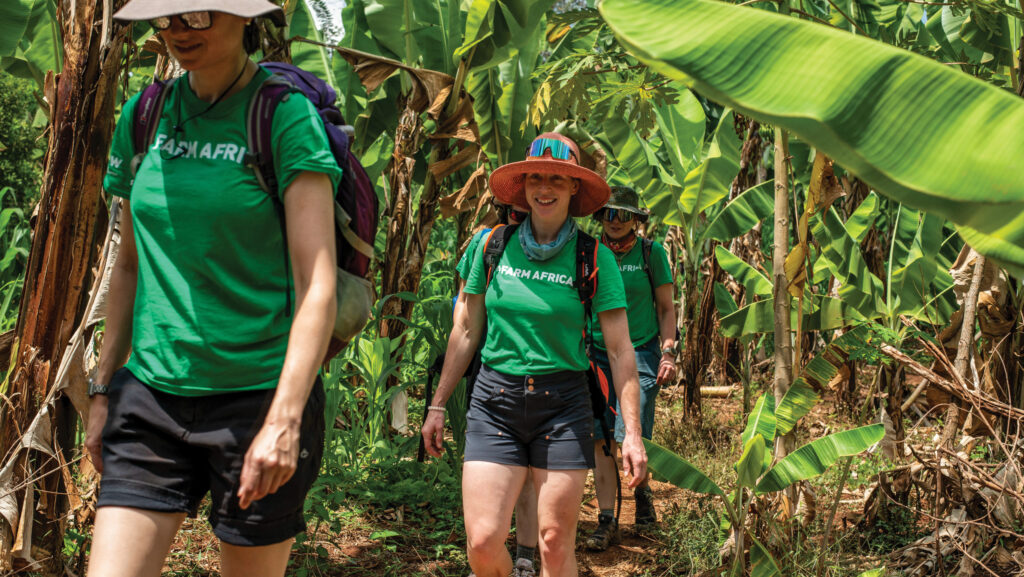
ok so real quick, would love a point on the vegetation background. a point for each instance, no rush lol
(837, 182)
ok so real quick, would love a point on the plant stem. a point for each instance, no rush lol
(827, 538)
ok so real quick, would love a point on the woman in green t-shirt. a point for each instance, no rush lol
(647, 279)
(220, 394)
(530, 413)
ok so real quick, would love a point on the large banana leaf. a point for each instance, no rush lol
(751, 462)
(14, 17)
(863, 218)
(495, 28)
(743, 212)
(761, 420)
(711, 181)
(753, 280)
(674, 469)
(820, 313)
(761, 562)
(815, 457)
(917, 131)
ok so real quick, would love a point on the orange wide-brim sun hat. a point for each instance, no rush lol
(508, 181)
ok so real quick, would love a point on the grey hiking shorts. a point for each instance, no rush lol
(542, 421)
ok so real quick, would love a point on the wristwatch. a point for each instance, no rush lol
(669, 350)
(96, 388)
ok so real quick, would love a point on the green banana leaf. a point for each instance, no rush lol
(485, 88)
(753, 280)
(751, 462)
(14, 18)
(309, 57)
(496, 28)
(743, 212)
(860, 289)
(815, 457)
(724, 301)
(894, 118)
(681, 126)
(820, 313)
(674, 469)
(797, 402)
(863, 218)
(711, 181)
(761, 420)
(761, 562)
(801, 396)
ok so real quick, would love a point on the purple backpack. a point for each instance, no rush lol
(356, 207)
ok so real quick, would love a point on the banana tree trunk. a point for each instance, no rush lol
(64, 244)
(783, 347)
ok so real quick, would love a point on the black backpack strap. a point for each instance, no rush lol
(494, 247)
(586, 280)
(646, 245)
(146, 119)
(586, 286)
(259, 120)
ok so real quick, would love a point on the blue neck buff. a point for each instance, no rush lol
(542, 252)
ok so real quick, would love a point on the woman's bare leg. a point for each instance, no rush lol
(559, 495)
(129, 542)
(265, 561)
(489, 493)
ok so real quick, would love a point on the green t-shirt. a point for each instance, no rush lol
(210, 301)
(534, 315)
(643, 316)
(466, 262)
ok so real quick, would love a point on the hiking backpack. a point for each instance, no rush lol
(355, 201)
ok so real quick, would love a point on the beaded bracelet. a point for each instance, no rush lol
(434, 408)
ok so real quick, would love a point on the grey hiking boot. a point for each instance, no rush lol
(606, 534)
(524, 568)
(646, 516)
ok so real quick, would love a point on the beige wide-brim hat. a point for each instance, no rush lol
(149, 9)
(507, 182)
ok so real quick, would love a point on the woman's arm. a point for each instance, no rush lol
(621, 356)
(309, 216)
(470, 320)
(666, 311)
(117, 335)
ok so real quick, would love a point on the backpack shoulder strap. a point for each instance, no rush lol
(586, 281)
(586, 267)
(495, 245)
(646, 245)
(146, 118)
(259, 122)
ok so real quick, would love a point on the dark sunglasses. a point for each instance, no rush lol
(191, 20)
(610, 214)
(559, 150)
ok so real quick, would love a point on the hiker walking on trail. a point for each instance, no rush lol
(526, 505)
(528, 298)
(221, 393)
(647, 279)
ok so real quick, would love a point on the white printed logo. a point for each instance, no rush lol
(563, 279)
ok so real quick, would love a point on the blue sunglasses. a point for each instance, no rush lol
(559, 150)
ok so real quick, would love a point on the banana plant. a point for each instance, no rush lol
(848, 96)
(919, 284)
(756, 474)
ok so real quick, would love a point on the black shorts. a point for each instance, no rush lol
(542, 421)
(164, 452)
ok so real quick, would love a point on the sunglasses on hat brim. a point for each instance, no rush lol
(620, 214)
(201, 20)
(560, 150)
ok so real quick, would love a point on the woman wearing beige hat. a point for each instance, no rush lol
(530, 413)
(220, 394)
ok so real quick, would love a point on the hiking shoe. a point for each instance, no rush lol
(524, 568)
(646, 516)
(606, 534)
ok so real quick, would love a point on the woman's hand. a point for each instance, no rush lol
(634, 459)
(666, 368)
(94, 432)
(270, 461)
(433, 432)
